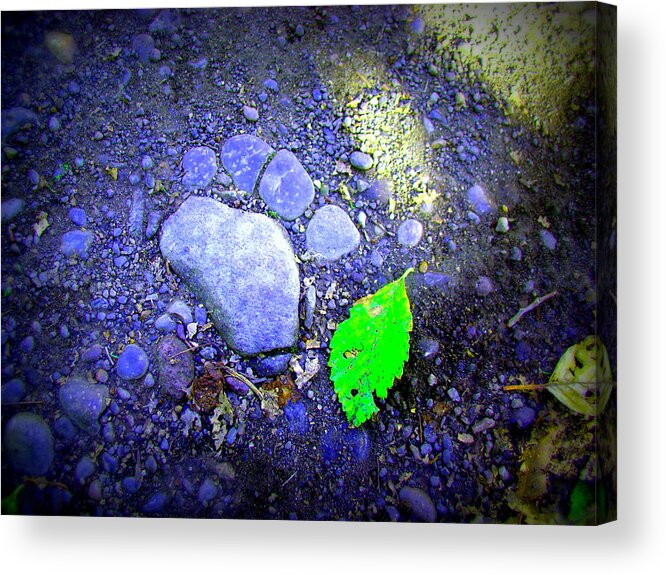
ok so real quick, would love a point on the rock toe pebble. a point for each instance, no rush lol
(243, 156)
(286, 187)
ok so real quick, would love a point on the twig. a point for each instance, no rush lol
(245, 380)
(523, 310)
(106, 349)
(289, 479)
(554, 383)
(194, 347)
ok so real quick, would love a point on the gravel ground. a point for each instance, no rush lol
(433, 171)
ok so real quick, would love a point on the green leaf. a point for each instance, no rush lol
(582, 379)
(369, 349)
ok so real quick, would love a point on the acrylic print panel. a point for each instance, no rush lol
(310, 263)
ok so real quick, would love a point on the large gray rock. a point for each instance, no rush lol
(331, 233)
(241, 266)
(286, 187)
(28, 444)
(243, 157)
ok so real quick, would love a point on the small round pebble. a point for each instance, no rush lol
(548, 240)
(483, 286)
(410, 233)
(361, 161)
(78, 216)
(251, 114)
(132, 363)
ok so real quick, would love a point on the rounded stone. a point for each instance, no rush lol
(418, 505)
(244, 156)
(548, 240)
(476, 196)
(78, 216)
(28, 444)
(241, 266)
(361, 160)
(132, 363)
(76, 242)
(483, 286)
(251, 114)
(410, 233)
(286, 187)
(331, 234)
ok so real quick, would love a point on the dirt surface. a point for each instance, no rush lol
(348, 79)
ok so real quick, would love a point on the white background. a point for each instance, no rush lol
(633, 544)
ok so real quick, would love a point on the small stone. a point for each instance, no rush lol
(76, 242)
(410, 233)
(480, 202)
(271, 365)
(523, 417)
(165, 23)
(12, 208)
(516, 254)
(251, 114)
(548, 240)
(84, 403)
(207, 492)
(13, 391)
(165, 323)
(502, 225)
(85, 468)
(286, 187)
(28, 444)
(483, 286)
(181, 310)
(331, 234)
(417, 26)
(361, 160)
(453, 394)
(132, 363)
(379, 191)
(418, 505)
(483, 425)
(310, 301)
(54, 124)
(61, 45)
(427, 347)
(271, 85)
(143, 46)
(153, 224)
(78, 216)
